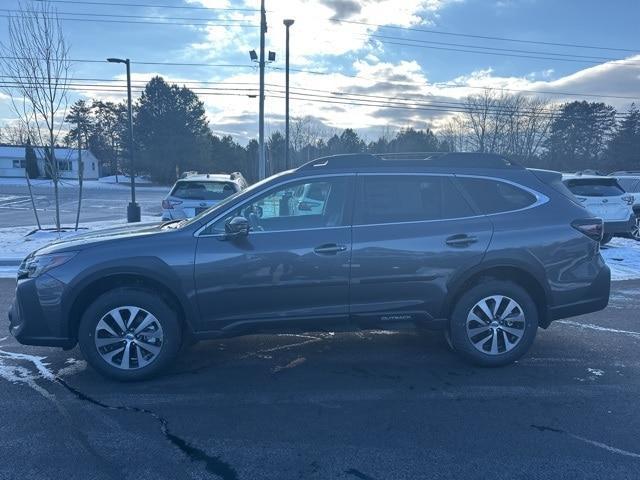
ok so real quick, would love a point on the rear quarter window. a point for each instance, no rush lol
(495, 196)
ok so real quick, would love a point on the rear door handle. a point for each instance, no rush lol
(330, 249)
(461, 240)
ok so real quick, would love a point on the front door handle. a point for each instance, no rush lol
(461, 240)
(329, 249)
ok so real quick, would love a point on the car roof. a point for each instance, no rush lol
(573, 176)
(213, 177)
(448, 160)
(623, 177)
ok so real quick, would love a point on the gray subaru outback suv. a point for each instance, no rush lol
(471, 244)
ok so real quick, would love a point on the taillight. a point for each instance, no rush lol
(629, 199)
(591, 227)
(169, 204)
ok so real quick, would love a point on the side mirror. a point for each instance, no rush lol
(236, 227)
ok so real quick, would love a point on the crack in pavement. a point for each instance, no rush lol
(213, 463)
(595, 443)
(309, 339)
(358, 474)
(17, 374)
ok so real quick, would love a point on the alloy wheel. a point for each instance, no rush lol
(635, 232)
(495, 325)
(128, 337)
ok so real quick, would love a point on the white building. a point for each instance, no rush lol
(12, 162)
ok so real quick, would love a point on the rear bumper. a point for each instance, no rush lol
(595, 298)
(616, 228)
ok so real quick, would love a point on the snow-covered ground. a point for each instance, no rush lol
(103, 183)
(623, 257)
(17, 242)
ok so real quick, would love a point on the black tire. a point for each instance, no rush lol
(460, 340)
(147, 300)
(606, 238)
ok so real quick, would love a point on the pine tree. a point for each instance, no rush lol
(31, 161)
(623, 152)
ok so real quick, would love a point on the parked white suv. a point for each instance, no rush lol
(630, 182)
(196, 192)
(604, 198)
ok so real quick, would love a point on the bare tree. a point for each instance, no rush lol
(511, 125)
(14, 133)
(36, 61)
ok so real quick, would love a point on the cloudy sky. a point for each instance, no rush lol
(373, 65)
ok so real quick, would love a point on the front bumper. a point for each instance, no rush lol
(619, 228)
(35, 317)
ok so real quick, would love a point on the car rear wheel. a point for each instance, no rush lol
(493, 323)
(129, 334)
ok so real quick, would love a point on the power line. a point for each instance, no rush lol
(179, 64)
(400, 84)
(485, 37)
(617, 61)
(449, 107)
(466, 45)
(146, 5)
(148, 17)
(140, 22)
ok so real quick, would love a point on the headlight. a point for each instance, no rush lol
(34, 266)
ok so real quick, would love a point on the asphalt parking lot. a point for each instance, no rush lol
(97, 204)
(370, 405)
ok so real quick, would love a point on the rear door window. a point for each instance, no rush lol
(494, 196)
(408, 198)
(587, 187)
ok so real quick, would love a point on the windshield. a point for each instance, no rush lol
(204, 190)
(595, 187)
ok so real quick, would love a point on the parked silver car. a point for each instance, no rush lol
(630, 182)
(197, 192)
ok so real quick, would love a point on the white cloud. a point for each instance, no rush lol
(313, 34)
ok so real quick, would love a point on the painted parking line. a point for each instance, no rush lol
(589, 326)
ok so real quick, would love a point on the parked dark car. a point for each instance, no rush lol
(471, 244)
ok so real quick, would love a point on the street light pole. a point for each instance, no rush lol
(261, 160)
(133, 209)
(287, 164)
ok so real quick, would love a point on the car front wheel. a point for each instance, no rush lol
(129, 334)
(493, 323)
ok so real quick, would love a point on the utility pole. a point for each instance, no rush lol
(133, 209)
(80, 126)
(262, 164)
(287, 164)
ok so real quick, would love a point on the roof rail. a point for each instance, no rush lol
(431, 159)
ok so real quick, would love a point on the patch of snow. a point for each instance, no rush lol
(623, 257)
(18, 242)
